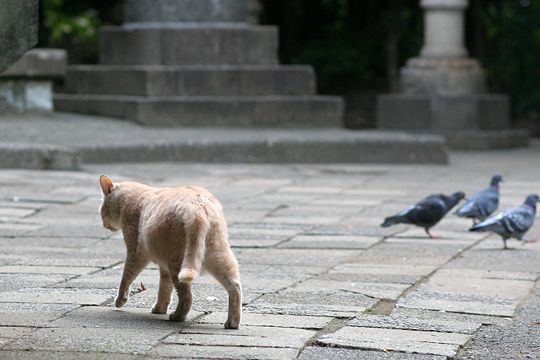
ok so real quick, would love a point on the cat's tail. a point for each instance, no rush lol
(196, 233)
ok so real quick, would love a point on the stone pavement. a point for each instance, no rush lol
(321, 279)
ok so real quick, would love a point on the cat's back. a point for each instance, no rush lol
(182, 198)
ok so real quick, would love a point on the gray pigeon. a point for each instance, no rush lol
(427, 212)
(512, 223)
(483, 203)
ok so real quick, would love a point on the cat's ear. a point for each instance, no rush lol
(106, 184)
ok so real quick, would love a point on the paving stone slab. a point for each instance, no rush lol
(452, 303)
(124, 318)
(272, 320)
(91, 339)
(375, 290)
(12, 282)
(64, 355)
(449, 316)
(326, 353)
(13, 229)
(58, 296)
(423, 342)
(223, 352)
(31, 314)
(216, 335)
(335, 303)
(329, 242)
(47, 270)
(295, 257)
(409, 323)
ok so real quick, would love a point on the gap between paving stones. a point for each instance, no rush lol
(385, 306)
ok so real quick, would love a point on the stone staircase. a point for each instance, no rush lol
(218, 71)
(200, 67)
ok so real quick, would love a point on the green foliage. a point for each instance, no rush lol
(512, 31)
(69, 22)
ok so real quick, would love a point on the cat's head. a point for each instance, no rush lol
(110, 207)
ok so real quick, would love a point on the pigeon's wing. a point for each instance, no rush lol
(481, 204)
(488, 203)
(512, 223)
(427, 212)
(518, 221)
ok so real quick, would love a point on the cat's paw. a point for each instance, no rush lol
(229, 324)
(176, 317)
(160, 309)
(120, 301)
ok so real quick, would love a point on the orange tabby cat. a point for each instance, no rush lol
(183, 230)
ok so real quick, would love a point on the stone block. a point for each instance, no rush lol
(19, 29)
(445, 113)
(39, 63)
(396, 111)
(212, 111)
(181, 45)
(223, 352)
(163, 11)
(487, 139)
(191, 80)
(37, 157)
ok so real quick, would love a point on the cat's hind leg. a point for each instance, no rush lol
(185, 298)
(164, 293)
(135, 263)
(224, 267)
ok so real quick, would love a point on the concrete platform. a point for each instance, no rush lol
(105, 140)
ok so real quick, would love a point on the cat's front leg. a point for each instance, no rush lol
(164, 294)
(135, 263)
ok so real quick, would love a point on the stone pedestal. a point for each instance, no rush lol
(196, 63)
(27, 84)
(444, 91)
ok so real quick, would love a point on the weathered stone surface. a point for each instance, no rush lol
(271, 320)
(19, 26)
(329, 242)
(220, 352)
(325, 353)
(335, 303)
(423, 342)
(215, 335)
(30, 156)
(124, 142)
(191, 80)
(38, 63)
(32, 314)
(90, 339)
(142, 11)
(57, 296)
(178, 45)
(375, 290)
(408, 323)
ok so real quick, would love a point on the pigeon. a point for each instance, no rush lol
(483, 203)
(427, 212)
(511, 223)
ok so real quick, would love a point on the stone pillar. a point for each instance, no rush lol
(445, 91)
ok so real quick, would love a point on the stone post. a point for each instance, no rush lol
(445, 91)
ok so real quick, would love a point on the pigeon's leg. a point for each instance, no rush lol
(431, 236)
(505, 247)
(529, 241)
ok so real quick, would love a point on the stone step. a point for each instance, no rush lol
(198, 44)
(208, 111)
(103, 140)
(190, 80)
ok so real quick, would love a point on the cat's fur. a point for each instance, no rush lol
(183, 230)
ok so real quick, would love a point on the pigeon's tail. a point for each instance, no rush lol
(487, 225)
(392, 220)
